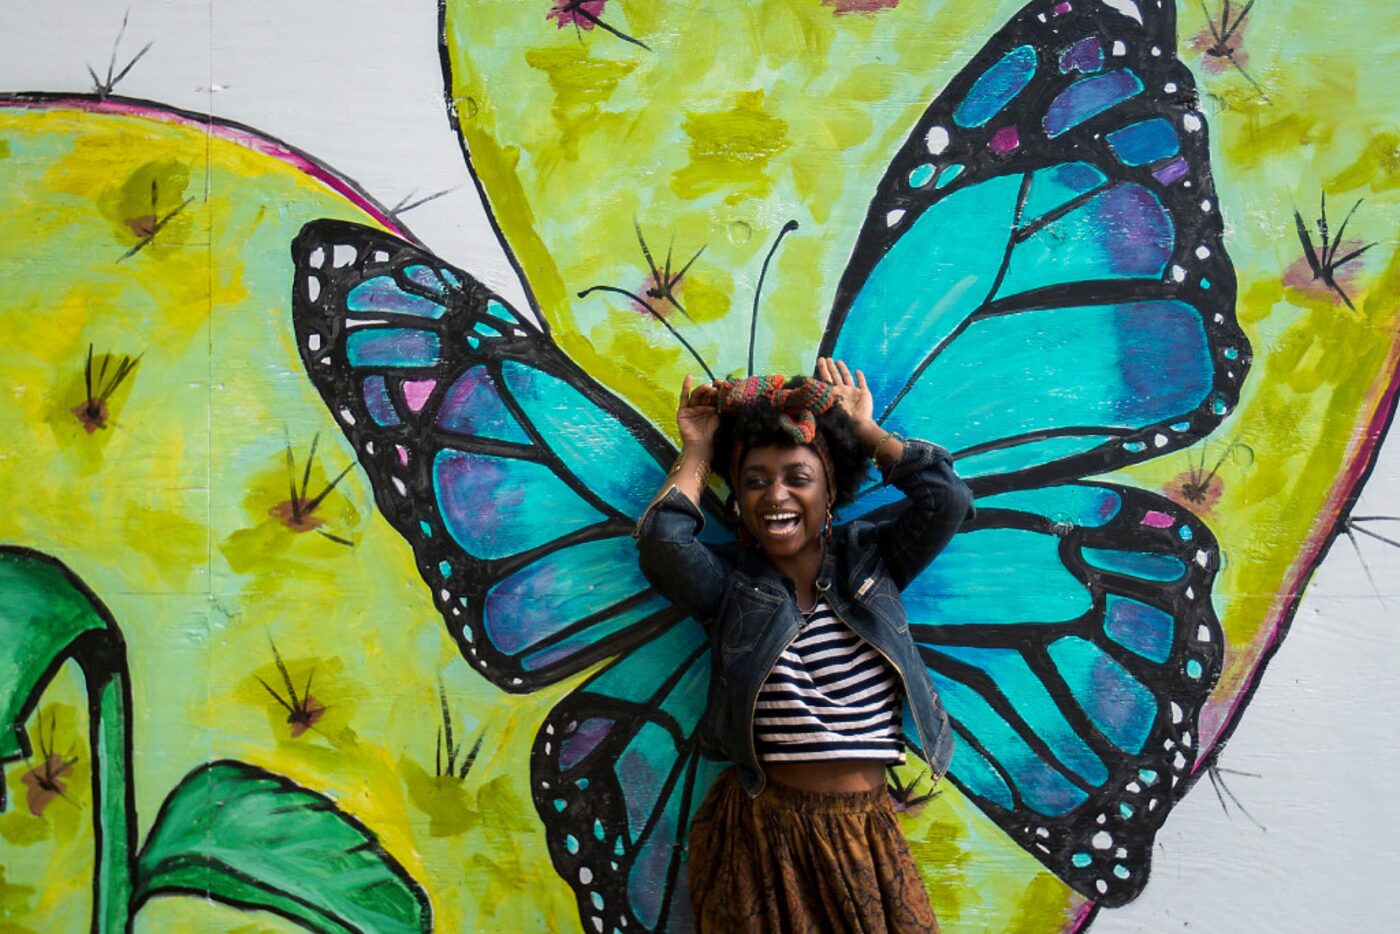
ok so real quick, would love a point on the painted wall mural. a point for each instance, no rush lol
(362, 522)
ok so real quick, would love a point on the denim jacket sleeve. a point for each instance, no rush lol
(678, 565)
(937, 503)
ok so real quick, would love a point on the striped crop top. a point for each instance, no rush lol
(830, 695)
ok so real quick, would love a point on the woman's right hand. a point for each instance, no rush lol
(697, 417)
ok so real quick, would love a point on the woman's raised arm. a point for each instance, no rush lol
(673, 560)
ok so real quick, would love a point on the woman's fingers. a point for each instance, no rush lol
(685, 391)
(835, 372)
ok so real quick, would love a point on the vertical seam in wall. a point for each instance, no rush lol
(209, 381)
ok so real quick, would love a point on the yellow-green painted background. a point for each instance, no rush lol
(165, 512)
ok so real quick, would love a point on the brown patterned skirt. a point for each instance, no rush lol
(798, 861)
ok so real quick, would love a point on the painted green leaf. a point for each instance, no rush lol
(241, 835)
(44, 610)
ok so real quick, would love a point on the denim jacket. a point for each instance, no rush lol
(751, 614)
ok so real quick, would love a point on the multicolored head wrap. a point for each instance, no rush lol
(798, 407)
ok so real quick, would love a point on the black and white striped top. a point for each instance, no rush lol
(830, 695)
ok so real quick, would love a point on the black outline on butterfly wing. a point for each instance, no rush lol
(1171, 747)
(1194, 227)
(405, 494)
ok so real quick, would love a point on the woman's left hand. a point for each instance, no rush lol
(851, 392)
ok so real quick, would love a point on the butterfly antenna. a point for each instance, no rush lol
(655, 314)
(788, 228)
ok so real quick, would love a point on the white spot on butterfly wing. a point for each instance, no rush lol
(342, 254)
(937, 139)
(313, 342)
(894, 217)
(1119, 49)
(1192, 122)
(399, 485)
(1127, 7)
(346, 416)
(317, 258)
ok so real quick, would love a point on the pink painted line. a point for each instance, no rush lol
(1372, 434)
(241, 135)
(1082, 917)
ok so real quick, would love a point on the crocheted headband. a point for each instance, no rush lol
(798, 407)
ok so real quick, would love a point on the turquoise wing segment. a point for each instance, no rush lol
(1041, 281)
(617, 777)
(515, 477)
(1070, 634)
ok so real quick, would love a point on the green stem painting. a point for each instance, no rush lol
(229, 831)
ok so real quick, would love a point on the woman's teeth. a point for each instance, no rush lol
(782, 523)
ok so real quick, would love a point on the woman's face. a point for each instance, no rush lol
(783, 498)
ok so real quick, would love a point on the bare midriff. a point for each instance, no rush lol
(827, 776)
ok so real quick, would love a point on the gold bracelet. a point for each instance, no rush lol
(702, 469)
(875, 451)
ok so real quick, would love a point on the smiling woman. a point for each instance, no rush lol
(812, 654)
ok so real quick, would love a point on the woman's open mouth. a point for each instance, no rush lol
(782, 524)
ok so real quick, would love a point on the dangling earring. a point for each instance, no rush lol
(827, 529)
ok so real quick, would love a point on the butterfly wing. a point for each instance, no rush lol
(517, 481)
(1070, 635)
(1041, 285)
(1054, 206)
(514, 476)
(617, 777)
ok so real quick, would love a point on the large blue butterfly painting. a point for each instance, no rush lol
(1040, 286)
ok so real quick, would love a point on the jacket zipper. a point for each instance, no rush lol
(893, 667)
(753, 712)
